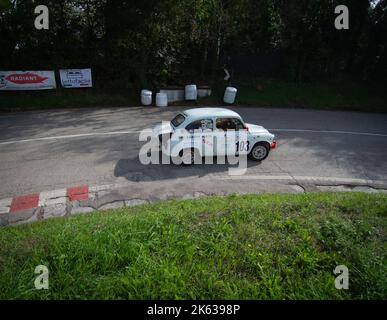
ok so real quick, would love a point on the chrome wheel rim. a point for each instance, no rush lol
(259, 152)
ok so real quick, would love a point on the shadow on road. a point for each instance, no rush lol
(133, 170)
(45, 165)
(298, 154)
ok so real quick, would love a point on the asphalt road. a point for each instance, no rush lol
(45, 150)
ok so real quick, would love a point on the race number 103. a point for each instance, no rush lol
(213, 309)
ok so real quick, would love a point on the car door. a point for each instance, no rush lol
(201, 135)
(230, 136)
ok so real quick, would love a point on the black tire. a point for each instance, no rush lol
(260, 151)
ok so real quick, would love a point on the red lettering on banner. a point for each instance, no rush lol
(25, 78)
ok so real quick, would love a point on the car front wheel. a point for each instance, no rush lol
(260, 151)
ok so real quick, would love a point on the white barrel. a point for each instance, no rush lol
(230, 95)
(161, 100)
(146, 97)
(191, 92)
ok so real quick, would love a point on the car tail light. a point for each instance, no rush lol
(273, 144)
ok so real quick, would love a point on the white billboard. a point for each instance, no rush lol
(27, 80)
(75, 78)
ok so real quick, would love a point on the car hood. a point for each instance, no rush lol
(162, 128)
(253, 128)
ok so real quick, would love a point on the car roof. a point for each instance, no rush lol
(210, 112)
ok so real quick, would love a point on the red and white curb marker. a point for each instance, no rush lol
(5, 205)
(35, 200)
(60, 202)
(25, 202)
(83, 199)
(53, 197)
(21, 208)
(78, 193)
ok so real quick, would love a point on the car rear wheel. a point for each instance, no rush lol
(260, 151)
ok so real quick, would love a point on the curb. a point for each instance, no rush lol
(83, 199)
(61, 202)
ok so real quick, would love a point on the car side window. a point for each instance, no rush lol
(203, 125)
(229, 124)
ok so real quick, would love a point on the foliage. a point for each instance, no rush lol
(158, 42)
(269, 246)
(252, 92)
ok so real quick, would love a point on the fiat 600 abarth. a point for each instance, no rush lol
(209, 132)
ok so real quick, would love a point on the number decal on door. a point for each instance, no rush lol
(243, 146)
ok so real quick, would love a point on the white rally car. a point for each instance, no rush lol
(208, 132)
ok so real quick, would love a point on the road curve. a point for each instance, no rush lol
(47, 150)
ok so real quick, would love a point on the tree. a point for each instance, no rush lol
(156, 42)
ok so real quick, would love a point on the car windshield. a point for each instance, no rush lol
(178, 120)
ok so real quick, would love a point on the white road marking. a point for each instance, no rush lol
(107, 187)
(303, 178)
(331, 131)
(94, 134)
(70, 136)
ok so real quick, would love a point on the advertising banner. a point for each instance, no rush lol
(75, 78)
(27, 80)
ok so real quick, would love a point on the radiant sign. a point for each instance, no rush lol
(27, 80)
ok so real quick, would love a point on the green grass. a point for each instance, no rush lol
(258, 93)
(270, 246)
(62, 98)
(340, 96)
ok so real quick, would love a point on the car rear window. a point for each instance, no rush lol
(229, 124)
(178, 120)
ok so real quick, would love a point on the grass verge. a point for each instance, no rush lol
(270, 246)
(64, 98)
(258, 93)
(330, 96)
